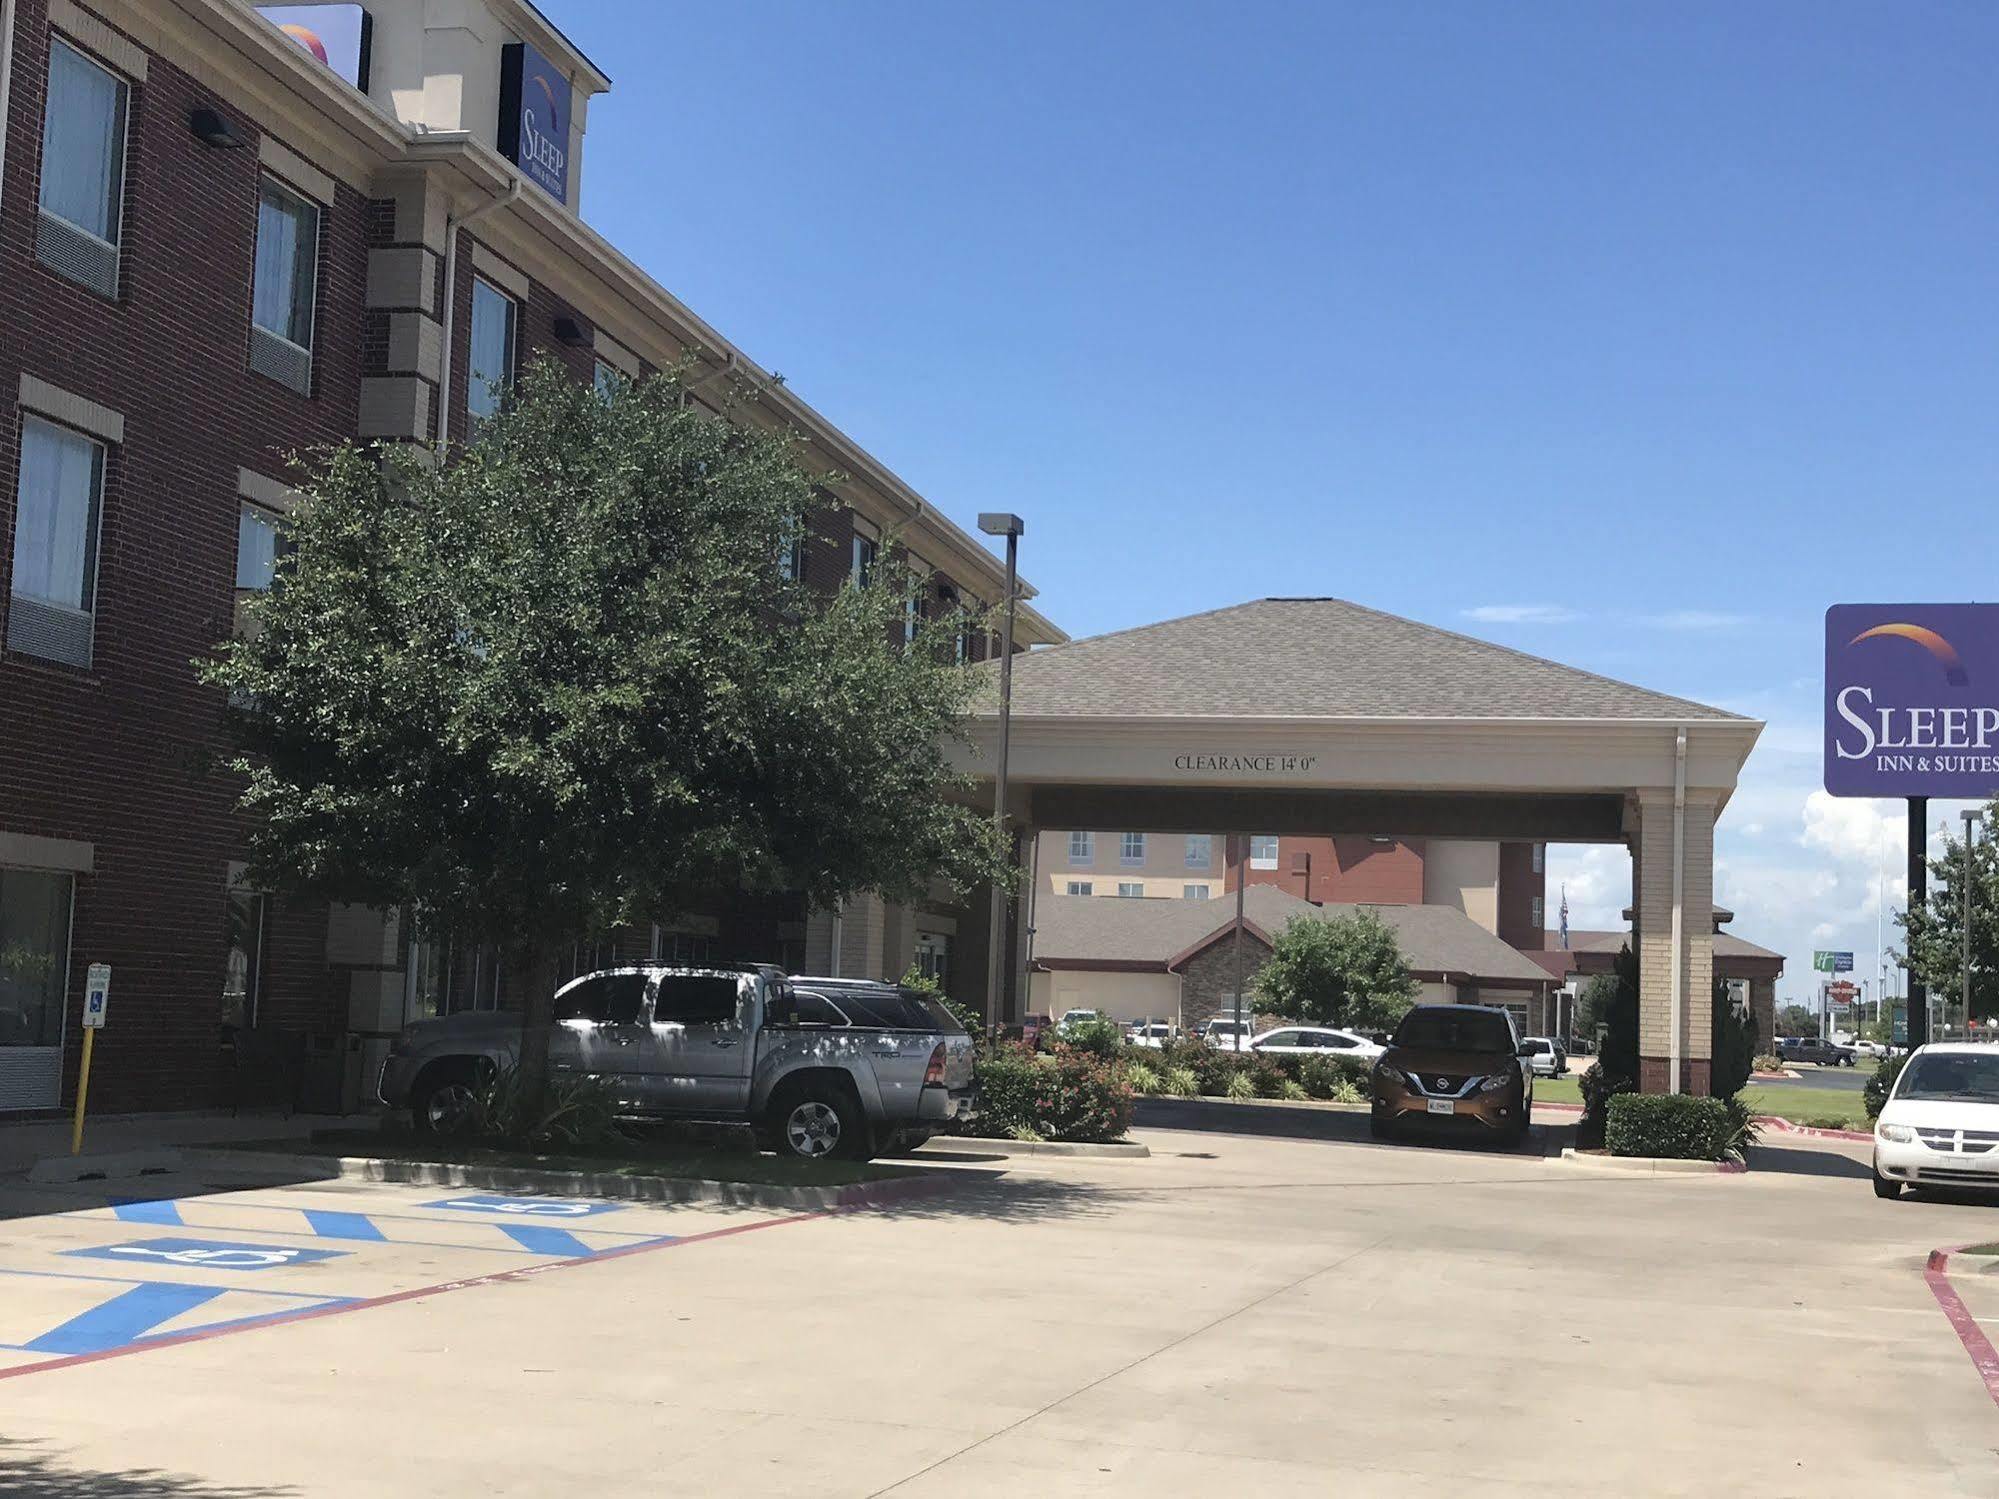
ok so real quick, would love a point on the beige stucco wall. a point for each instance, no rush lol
(1464, 874)
(1122, 996)
(1437, 994)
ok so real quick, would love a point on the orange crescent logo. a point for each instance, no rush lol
(554, 115)
(307, 39)
(1953, 666)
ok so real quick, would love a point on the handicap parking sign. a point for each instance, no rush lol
(206, 1254)
(525, 1207)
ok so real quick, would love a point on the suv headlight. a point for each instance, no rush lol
(1494, 1083)
(1898, 1134)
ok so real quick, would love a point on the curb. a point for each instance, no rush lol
(1984, 1358)
(1258, 1103)
(1124, 1150)
(1812, 1131)
(77, 1168)
(579, 1183)
(1653, 1164)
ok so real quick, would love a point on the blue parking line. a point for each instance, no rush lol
(164, 1211)
(123, 1319)
(536, 1238)
(331, 1225)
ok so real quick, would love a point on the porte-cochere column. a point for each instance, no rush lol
(1652, 903)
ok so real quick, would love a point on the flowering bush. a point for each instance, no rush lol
(1064, 1094)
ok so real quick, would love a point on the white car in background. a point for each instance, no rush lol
(1868, 1049)
(1073, 1018)
(1316, 1041)
(1940, 1126)
(1226, 1035)
(1155, 1035)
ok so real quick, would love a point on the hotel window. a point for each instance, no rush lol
(492, 370)
(1263, 851)
(1540, 912)
(83, 169)
(607, 379)
(281, 298)
(1131, 850)
(1082, 887)
(791, 552)
(1131, 890)
(242, 969)
(1193, 892)
(912, 617)
(862, 571)
(34, 964)
(1540, 858)
(962, 647)
(1082, 848)
(1200, 850)
(55, 544)
(259, 544)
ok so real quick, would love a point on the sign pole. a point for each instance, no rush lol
(1919, 875)
(82, 1093)
(96, 1002)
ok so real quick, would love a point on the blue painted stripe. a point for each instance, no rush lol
(330, 1225)
(537, 1239)
(124, 1318)
(163, 1211)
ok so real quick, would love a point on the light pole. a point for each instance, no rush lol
(1971, 820)
(1001, 523)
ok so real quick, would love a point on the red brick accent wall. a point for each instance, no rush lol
(123, 755)
(1519, 886)
(1350, 869)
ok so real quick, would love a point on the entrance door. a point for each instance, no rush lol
(34, 982)
(701, 1043)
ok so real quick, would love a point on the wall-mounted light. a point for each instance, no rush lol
(211, 129)
(569, 331)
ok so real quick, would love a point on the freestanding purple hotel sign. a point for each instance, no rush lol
(1912, 700)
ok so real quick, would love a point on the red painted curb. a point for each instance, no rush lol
(1813, 1131)
(1984, 1357)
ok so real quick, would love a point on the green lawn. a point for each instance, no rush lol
(1825, 1108)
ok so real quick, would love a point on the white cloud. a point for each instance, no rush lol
(1694, 619)
(1522, 614)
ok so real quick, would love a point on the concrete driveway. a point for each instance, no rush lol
(1267, 1315)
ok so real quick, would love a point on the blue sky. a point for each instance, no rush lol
(1628, 335)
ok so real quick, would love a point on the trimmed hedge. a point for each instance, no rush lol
(1669, 1126)
(1060, 1095)
(1875, 1095)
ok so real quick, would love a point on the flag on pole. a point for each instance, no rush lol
(1565, 915)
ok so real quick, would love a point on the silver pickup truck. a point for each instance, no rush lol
(821, 1067)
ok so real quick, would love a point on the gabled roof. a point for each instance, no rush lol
(1160, 935)
(1319, 658)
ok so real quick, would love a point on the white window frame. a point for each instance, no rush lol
(475, 387)
(1540, 858)
(1196, 892)
(1540, 911)
(117, 240)
(1126, 855)
(1131, 889)
(1082, 848)
(1082, 887)
(1268, 841)
(1200, 850)
(94, 540)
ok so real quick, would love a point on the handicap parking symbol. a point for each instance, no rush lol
(525, 1207)
(207, 1254)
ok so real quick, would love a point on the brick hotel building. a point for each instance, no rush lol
(222, 242)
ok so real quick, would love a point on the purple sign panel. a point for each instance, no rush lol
(1912, 700)
(534, 118)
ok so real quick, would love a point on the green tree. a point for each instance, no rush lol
(1735, 1044)
(1342, 970)
(1797, 1020)
(1593, 1005)
(558, 684)
(1934, 931)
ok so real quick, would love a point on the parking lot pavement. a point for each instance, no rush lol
(99, 1270)
(1235, 1314)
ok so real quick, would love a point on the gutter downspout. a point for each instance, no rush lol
(452, 224)
(6, 82)
(1679, 902)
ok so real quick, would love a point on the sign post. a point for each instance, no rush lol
(96, 1003)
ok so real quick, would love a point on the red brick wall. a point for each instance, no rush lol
(1519, 885)
(122, 755)
(1343, 869)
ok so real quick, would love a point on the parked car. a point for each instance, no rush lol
(1865, 1048)
(1226, 1035)
(1459, 1063)
(1546, 1056)
(821, 1067)
(1156, 1035)
(1073, 1018)
(1315, 1041)
(1812, 1049)
(1940, 1125)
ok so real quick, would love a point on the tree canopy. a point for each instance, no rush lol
(560, 682)
(1934, 931)
(1344, 970)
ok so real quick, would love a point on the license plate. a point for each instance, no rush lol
(1443, 1105)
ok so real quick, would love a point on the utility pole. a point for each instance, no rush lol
(1919, 892)
(1971, 820)
(999, 523)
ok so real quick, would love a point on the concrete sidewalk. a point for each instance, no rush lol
(23, 1144)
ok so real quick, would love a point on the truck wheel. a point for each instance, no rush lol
(441, 1102)
(819, 1122)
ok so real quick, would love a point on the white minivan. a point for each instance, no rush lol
(1940, 1125)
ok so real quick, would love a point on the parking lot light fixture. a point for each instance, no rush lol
(1001, 523)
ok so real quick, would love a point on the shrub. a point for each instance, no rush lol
(1734, 1043)
(1099, 1037)
(574, 1110)
(1669, 1126)
(1065, 1094)
(1769, 1062)
(1215, 1069)
(1239, 1087)
(1347, 1091)
(1268, 1075)
(1293, 1091)
(1882, 1084)
(1598, 1086)
(1142, 1078)
(1182, 1083)
(1742, 1128)
(1323, 1077)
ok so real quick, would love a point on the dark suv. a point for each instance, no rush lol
(1812, 1049)
(1452, 1064)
